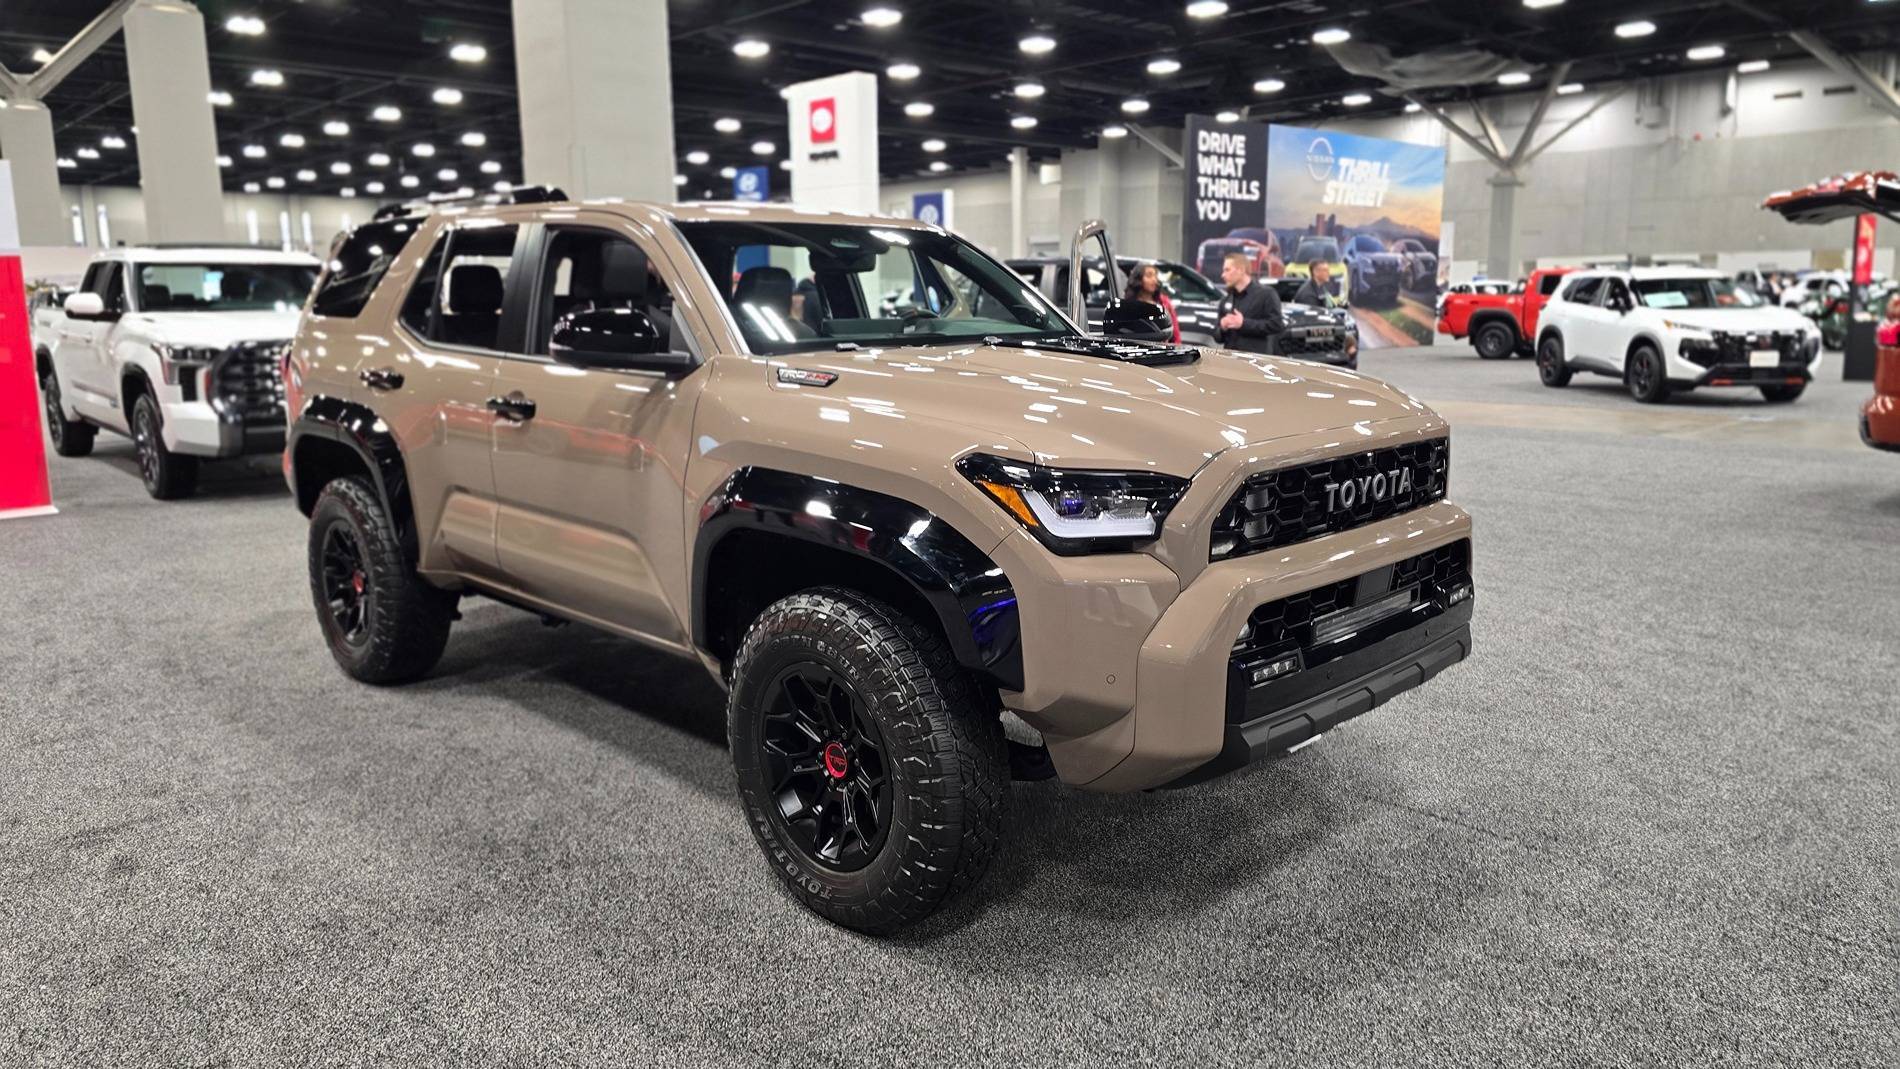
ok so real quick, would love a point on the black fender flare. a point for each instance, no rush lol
(361, 430)
(971, 597)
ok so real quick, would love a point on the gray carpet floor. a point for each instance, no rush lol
(1652, 821)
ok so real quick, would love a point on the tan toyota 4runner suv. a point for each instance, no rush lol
(883, 491)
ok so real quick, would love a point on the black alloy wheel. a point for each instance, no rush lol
(1495, 341)
(1551, 369)
(826, 760)
(1646, 376)
(71, 438)
(166, 475)
(383, 622)
(346, 586)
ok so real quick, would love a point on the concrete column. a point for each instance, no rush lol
(596, 91)
(178, 142)
(1501, 256)
(26, 142)
(1018, 201)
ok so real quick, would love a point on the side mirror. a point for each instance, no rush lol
(1136, 320)
(615, 339)
(85, 306)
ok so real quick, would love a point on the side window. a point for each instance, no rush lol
(1617, 292)
(1549, 284)
(1583, 290)
(589, 270)
(359, 265)
(115, 287)
(95, 279)
(456, 298)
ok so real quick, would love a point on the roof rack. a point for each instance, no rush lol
(517, 195)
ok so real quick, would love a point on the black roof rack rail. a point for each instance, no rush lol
(517, 195)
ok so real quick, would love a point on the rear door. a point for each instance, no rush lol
(1581, 320)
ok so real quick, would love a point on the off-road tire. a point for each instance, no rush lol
(1781, 395)
(71, 437)
(943, 751)
(1647, 376)
(1551, 369)
(168, 476)
(1495, 341)
(405, 621)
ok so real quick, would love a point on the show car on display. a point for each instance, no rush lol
(1375, 274)
(1503, 321)
(1329, 335)
(1259, 245)
(180, 348)
(1664, 329)
(878, 532)
(1194, 297)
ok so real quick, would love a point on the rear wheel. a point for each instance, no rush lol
(382, 621)
(872, 773)
(1495, 341)
(1551, 369)
(1781, 395)
(71, 437)
(167, 475)
(1645, 376)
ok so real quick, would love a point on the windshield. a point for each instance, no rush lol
(794, 287)
(1367, 243)
(1694, 293)
(224, 287)
(1184, 283)
(1317, 249)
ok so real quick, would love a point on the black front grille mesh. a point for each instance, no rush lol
(1292, 344)
(1280, 508)
(249, 381)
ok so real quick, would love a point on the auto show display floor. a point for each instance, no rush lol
(1652, 820)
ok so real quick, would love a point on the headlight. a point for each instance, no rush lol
(174, 359)
(1076, 512)
(1687, 328)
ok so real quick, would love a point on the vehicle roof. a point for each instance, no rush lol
(197, 254)
(1644, 274)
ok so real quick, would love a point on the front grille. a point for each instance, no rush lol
(1299, 343)
(248, 381)
(1733, 349)
(1280, 508)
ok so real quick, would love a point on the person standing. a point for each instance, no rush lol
(1318, 290)
(1250, 316)
(1144, 284)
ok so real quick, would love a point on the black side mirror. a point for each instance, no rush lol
(615, 339)
(1136, 320)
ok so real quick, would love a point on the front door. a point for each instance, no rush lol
(81, 353)
(589, 466)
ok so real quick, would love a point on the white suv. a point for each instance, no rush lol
(180, 349)
(1662, 329)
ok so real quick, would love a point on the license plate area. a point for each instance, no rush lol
(1764, 358)
(1350, 621)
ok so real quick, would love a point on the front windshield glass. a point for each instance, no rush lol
(1694, 293)
(795, 287)
(212, 287)
(1184, 284)
(1317, 249)
(1367, 243)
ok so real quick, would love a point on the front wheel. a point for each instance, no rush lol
(1551, 369)
(871, 771)
(71, 437)
(383, 622)
(1781, 395)
(1495, 341)
(167, 475)
(1648, 382)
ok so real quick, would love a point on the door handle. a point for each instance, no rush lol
(513, 407)
(381, 378)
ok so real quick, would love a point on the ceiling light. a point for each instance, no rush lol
(373, 188)
(386, 113)
(1701, 53)
(1413, 109)
(1268, 85)
(1134, 106)
(247, 25)
(42, 57)
(882, 18)
(727, 125)
(446, 174)
(1753, 66)
(917, 109)
(1534, 4)
(698, 158)
(1639, 28)
(219, 98)
(446, 95)
(1569, 89)
(679, 179)
(66, 162)
(423, 149)
(1164, 65)
(223, 160)
(409, 181)
(903, 72)
(935, 144)
(502, 186)
(1023, 122)
(1029, 90)
(728, 172)
(254, 152)
(336, 128)
(346, 191)
(1332, 35)
(1037, 44)
(306, 175)
(1513, 78)
(112, 141)
(474, 139)
(340, 167)
(1207, 9)
(468, 53)
(274, 182)
(1354, 100)
(491, 166)
(292, 140)
(939, 166)
(266, 76)
(1227, 116)
(763, 148)
(379, 159)
(751, 48)
(785, 165)
(1115, 130)
(253, 187)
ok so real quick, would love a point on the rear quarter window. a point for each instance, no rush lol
(358, 266)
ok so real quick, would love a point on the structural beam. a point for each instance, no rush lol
(79, 49)
(26, 141)
(1155, 143)
(167, 64)
(596, 89)
(1598, 105)
(1490, 129)
(1524, 139)
(1451, 124)
(1879, 89)
(1018, 201)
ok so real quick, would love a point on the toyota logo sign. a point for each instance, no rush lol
(824, 120)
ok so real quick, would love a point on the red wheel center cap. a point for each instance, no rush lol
(357, 582)
(837, 762)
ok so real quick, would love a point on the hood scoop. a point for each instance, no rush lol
(1120, 351)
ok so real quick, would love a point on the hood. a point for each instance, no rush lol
(1732, 320)
(215, 330)
(1073, 410)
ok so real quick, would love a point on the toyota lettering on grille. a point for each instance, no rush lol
(1368, 488)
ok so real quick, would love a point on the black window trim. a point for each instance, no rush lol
(444, 240)
(534, 270)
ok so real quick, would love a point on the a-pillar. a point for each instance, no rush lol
(1018, 201)
(26, 142)
(596, 92)
(178, 141)
(1501, 256)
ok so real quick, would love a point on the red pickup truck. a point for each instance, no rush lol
(1500, 324)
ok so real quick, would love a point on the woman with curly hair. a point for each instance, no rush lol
(1144, 284)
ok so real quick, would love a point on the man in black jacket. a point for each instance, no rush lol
(1318, 291)
(1250, 316)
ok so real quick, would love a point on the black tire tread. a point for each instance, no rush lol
(1486, 328)
(73, 437)
(410, 627)
(177, 474)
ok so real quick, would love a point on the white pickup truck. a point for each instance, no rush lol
(178, 348)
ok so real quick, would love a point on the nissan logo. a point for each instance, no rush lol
(1319, 159)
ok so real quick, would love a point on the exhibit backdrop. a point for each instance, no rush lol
(1288, 197)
